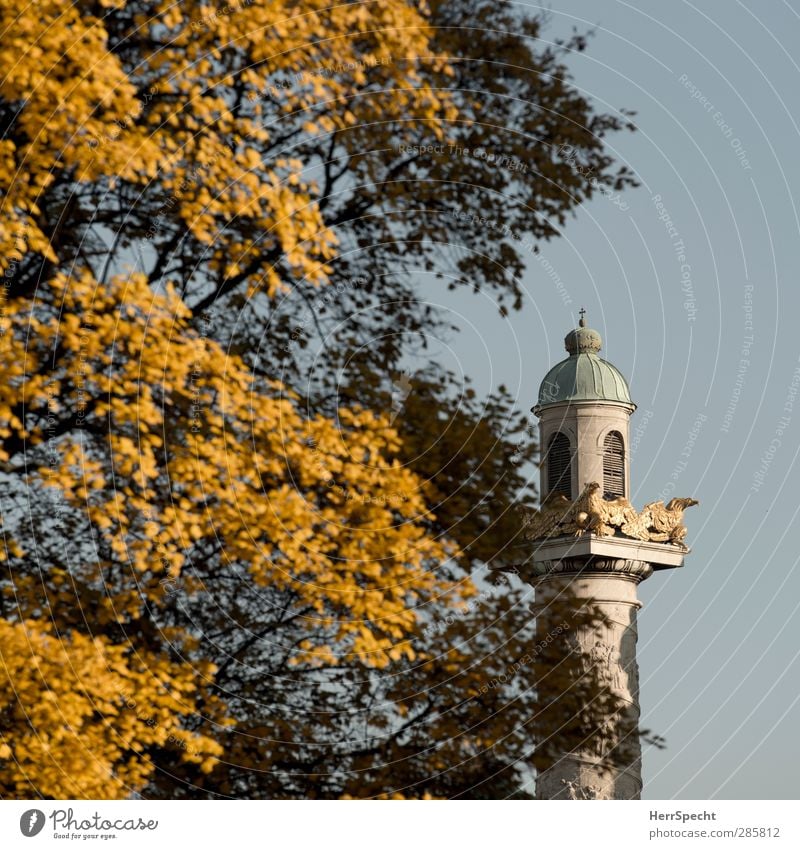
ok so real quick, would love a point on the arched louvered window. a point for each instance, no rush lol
(613, 466)
(559, 465)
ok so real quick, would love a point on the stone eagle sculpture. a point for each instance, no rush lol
(591, 513)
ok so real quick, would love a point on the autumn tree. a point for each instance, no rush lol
(172, 475)
(213, 225)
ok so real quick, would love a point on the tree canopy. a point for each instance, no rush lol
(222, 503)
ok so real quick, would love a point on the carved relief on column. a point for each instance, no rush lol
(573, 779)
(608, 653)
(597, 653)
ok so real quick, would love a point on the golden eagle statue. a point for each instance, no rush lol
(591, 513)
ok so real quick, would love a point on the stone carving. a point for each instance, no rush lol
(601, 658)
(658, 523)
(554, 514)
(577, 791)
(591, 513)
(635, 568)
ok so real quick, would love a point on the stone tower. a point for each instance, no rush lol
(588, 545)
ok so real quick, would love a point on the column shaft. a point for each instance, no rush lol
(589, 682)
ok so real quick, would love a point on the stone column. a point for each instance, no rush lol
(587, 677)
(598, 653)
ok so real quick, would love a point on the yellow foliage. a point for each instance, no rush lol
(164, 448)
(169, 117)
(80, 715)
(311, 505)
(168, 447)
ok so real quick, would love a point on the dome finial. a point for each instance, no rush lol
(583, 340)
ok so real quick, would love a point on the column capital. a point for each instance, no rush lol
(588, 553)
(634, 570)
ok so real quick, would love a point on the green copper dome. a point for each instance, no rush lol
(583, 376)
